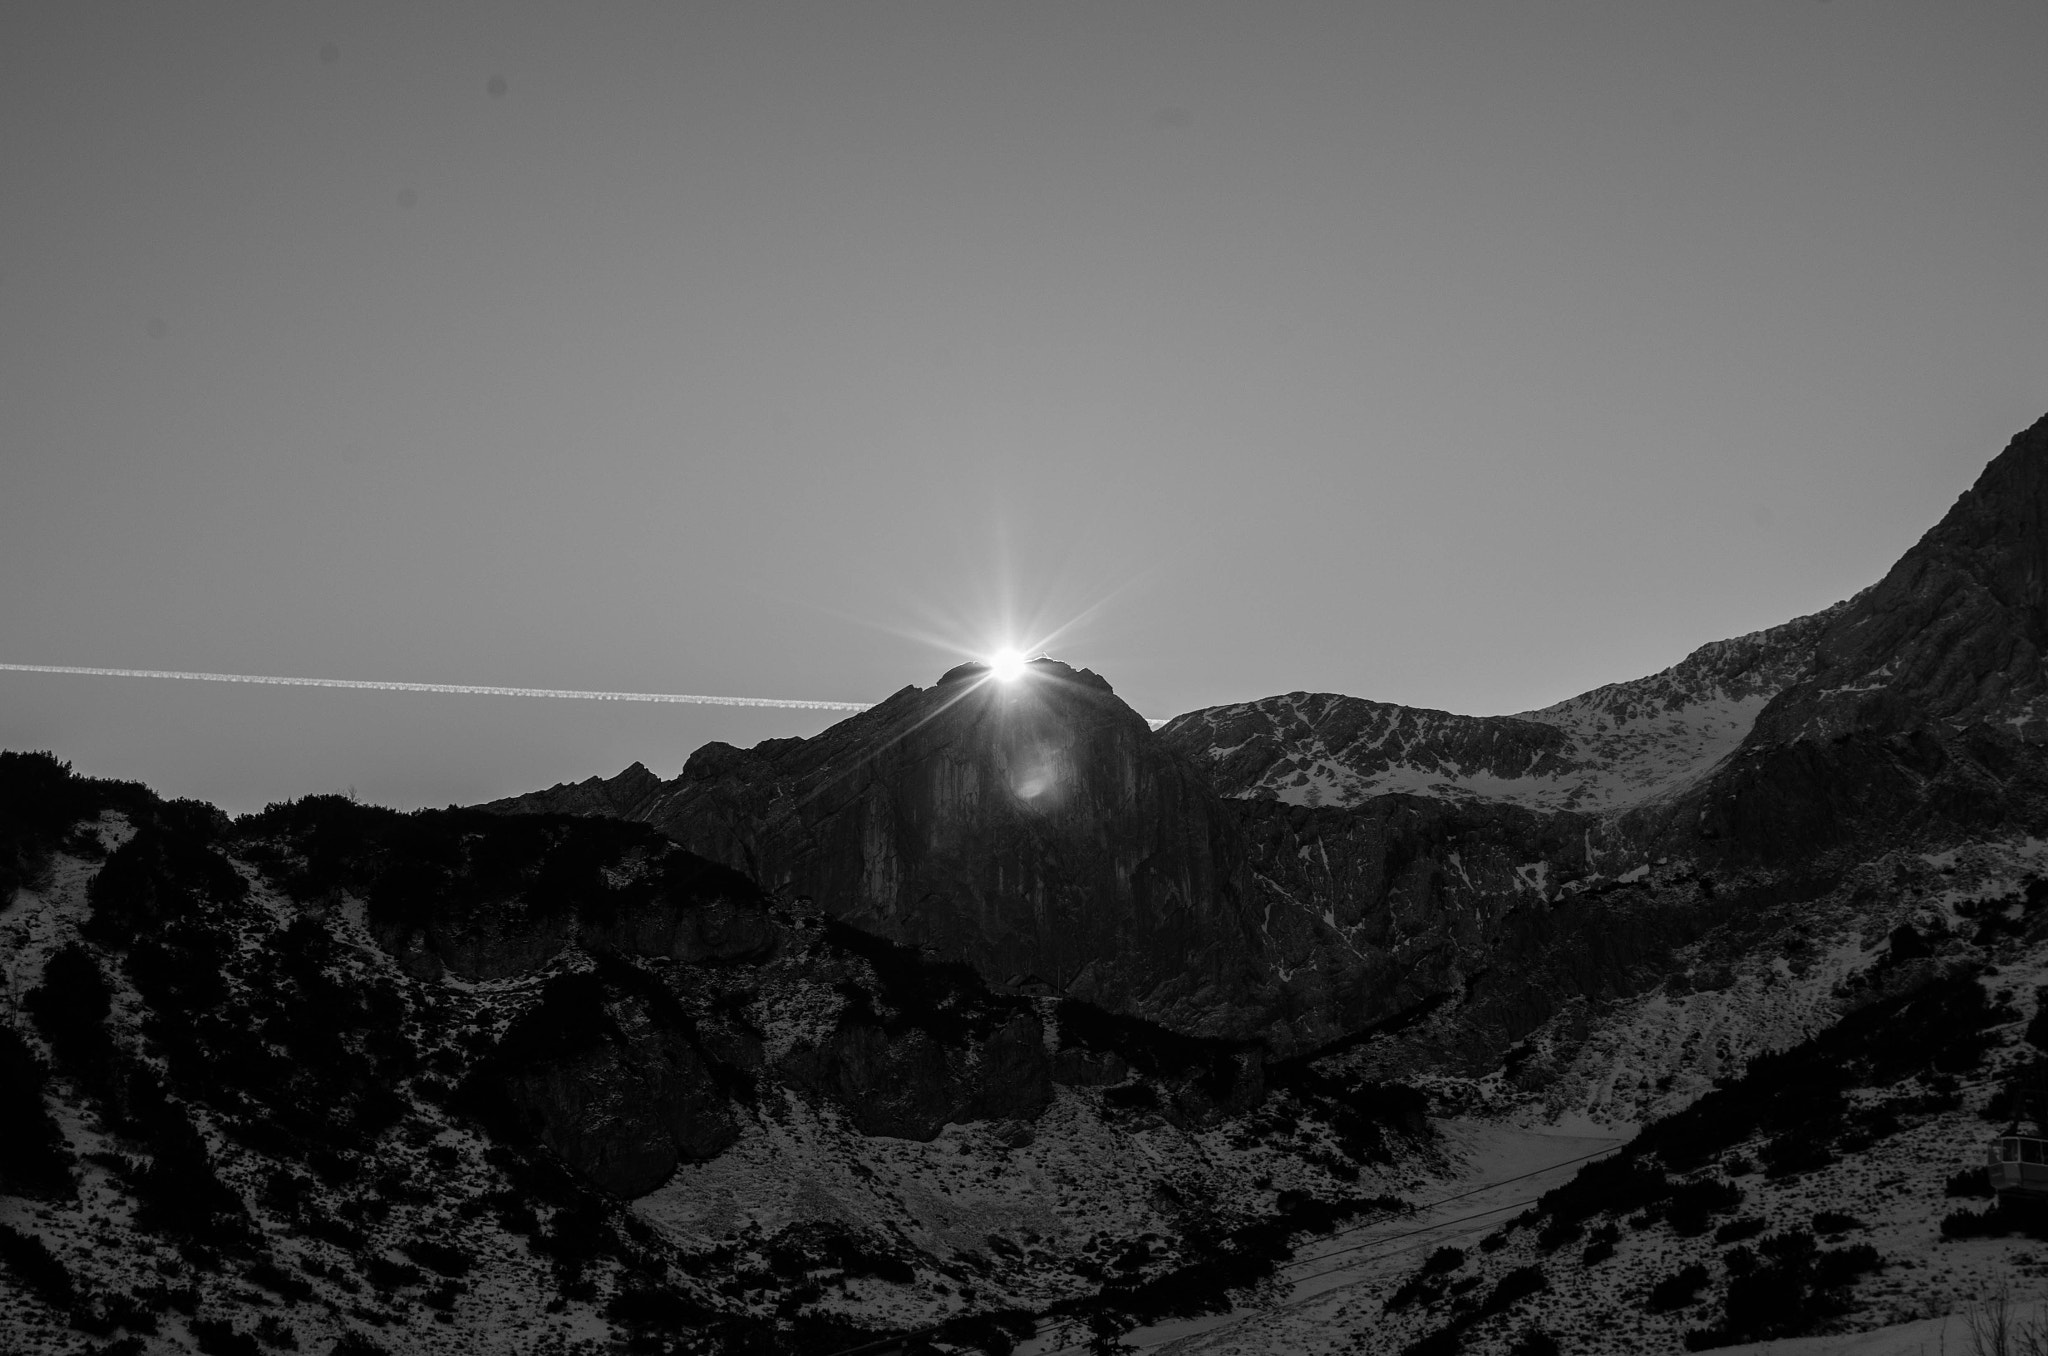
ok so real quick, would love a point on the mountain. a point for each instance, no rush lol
(1677, 1014)
(1358, 863)
(1953, 635)
(1035, 830)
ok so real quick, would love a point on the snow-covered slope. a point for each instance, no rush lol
(1603, 750)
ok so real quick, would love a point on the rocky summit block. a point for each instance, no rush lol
(1034, 829)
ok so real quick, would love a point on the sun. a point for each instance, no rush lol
(1007, 665)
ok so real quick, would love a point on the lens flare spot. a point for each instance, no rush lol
(1007, 665)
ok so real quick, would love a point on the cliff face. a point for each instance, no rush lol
(1036, 830)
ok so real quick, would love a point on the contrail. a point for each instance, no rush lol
(455, 689)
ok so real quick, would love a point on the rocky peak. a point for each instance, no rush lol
(613, 797)
(1923, 719)
(1035, 829)
(1956, 631)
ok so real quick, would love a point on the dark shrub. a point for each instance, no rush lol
(657, 1310)
(27, 1257)
(1792, 1286)
(1517, 1285)
(1769, 1301)
(1735, 1230)
(329, 1229)
(1443, 1342)
(1692, 1204)
(438, 1257)
(1839, 1266)
(218, 1337)
(1609, 1186)
(1970, 1182)
(274, 1279)
(33, 1160)
(1442, 1260)
(1677, 1291)
(1986, 1223)
(1792, 1246)
(167, 872)
(386, 1274)
(1427, 1289)
(177, 1191)
(1796, 1152)
(1131, 1096)
(996, 1333)
(1596, 1252)
(41, 800)
(126, 1311)
(70, 1009)
(859, 1256)
(272, 1332)
(1834, 1222)
(1535, 1342)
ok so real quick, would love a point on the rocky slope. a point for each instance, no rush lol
(335, 1078)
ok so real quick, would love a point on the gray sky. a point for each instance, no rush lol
(1458, 355)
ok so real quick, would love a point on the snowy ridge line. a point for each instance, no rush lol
(452, 689)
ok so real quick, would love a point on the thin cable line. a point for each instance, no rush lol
(453, 689)
(1446, 1200)
(1395, 1238)
(1443, 1224)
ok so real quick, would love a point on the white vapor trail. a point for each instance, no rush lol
(456, 689)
